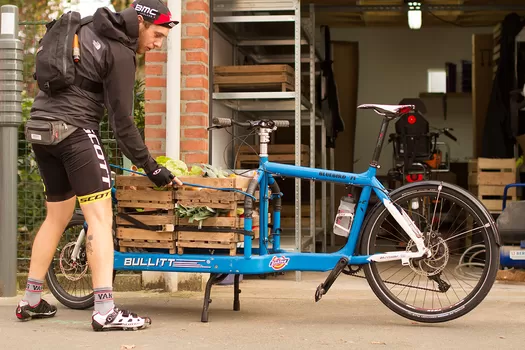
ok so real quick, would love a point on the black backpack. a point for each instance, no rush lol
(55, 66)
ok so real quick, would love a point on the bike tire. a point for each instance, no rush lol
(474, 298)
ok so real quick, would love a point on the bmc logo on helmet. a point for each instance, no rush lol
(146, 10)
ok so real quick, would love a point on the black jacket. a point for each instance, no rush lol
(107, 55)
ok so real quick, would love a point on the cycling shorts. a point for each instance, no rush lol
(75, 166)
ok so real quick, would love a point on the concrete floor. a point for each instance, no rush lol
(277, 313)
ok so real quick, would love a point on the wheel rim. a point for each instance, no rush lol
(461, 262)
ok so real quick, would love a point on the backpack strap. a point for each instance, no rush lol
(85, 83)
(88, 84)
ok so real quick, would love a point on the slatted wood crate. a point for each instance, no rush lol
(288, 215)
(137, 198)
(246, 156)
(216, 233)
(488, 178)
(270, 77)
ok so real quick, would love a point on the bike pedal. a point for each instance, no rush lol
(319, 292)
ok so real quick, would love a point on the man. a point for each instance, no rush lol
(77, 168)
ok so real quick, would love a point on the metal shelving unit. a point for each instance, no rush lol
(300, 110)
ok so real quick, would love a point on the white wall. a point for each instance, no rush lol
(222, 55)
(393, 65)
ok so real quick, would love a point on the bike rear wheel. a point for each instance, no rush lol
(465, 258)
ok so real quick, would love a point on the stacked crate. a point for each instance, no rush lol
(488, 178)
(268, 77)
(247, 156)
(216, 233)
(138, 198)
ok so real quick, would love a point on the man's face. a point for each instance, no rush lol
(150, 38)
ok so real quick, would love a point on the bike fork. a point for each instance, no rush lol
(76, 249)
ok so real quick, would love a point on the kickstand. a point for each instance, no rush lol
(323, 288)
(214, 279)
(236, 292)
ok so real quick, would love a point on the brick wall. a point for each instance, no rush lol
(155, 98)
(194, 87)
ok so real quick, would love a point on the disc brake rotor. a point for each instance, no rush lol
(436, 263)
(73, 270)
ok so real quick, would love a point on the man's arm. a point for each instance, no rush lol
(118, 97)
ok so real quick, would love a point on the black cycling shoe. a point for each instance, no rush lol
(25, 312)
(118, 319)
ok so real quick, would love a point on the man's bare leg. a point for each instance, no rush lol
(44, 247)
(45, 244)
(99, 241)
(99, 248)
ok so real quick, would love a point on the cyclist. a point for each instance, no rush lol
(76, 167)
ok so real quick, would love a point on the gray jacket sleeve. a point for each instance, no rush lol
(118, 96)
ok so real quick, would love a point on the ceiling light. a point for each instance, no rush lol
(414, 14)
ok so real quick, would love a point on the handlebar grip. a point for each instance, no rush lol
(222, 121)
(282, 123)
(450, 135)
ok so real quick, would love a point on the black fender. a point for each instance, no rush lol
(453, 187)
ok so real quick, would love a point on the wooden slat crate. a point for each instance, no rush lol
(155, 208)
(268, 77)
(488, 178)
(288, 215)
(224, 235)
(276, 153)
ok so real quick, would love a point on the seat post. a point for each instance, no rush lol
(380, 139)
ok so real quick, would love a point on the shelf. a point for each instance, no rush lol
(276, 32)
(281, 103)
(442, 94)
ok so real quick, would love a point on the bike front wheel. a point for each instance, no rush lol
(70, 280)
(464, 242)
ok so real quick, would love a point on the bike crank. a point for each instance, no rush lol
(323, 288)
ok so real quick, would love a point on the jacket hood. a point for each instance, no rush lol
(121, 26)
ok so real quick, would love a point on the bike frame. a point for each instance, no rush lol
(265, 260)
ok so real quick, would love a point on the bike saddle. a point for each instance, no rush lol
(388, 111)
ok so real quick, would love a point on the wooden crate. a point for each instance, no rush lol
(488, 178)
(276, 153)
(216, 233)
(137, 198)
(268, 77)
(288, 215)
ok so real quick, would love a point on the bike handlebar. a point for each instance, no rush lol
(450, 135)
(222, 121)
(225, 122)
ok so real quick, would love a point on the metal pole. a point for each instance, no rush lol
(311, 29)
(298, 104)
(11, 63)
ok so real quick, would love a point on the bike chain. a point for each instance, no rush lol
(351, 272)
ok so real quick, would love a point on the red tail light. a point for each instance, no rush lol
(412, 119)
(414, 177)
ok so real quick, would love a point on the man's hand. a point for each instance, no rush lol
(177, 181)
(161, 176)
